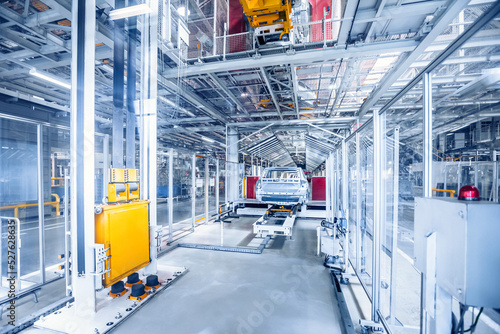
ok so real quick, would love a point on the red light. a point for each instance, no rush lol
(468, 193)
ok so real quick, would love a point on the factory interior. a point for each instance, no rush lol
(250, 166)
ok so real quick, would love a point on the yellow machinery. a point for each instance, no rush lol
(268, 16)
(132, 185)
(123, 229)
(117, 190)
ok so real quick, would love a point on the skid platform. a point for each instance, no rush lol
(277, 220)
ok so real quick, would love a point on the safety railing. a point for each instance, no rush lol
(317, 32)
(16, 207)
(451, 192)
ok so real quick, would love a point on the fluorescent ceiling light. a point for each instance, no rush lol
(244, 94)
(490, 114)
(182, 11)
(207, 139)
(49, 78)
(136, 10)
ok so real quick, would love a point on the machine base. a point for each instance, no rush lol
(110, 311)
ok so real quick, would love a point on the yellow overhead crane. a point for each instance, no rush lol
(268, 17)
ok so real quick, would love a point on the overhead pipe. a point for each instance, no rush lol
(118, 88)
(131, 88)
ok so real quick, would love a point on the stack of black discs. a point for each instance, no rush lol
(118, 288)
(137, 290)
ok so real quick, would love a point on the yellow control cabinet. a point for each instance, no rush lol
(124, 229)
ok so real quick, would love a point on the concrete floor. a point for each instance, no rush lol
(284, 290)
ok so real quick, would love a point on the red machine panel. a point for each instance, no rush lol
(251, 181)
(317, 13)
(319, 188)
(236, 25)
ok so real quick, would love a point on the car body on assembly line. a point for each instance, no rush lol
(282, 186)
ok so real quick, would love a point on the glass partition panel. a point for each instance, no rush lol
(212, 186)
(403, 279)
(367, 201)
(163, 187)
(182, 212)
(56, 163)
(353, 209)
(200, 182)
(19, 196)
(222, 182)
(389, 221)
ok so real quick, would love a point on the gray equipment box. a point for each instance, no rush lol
(464, 239)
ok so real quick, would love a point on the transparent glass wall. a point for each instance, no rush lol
(182, 212)
(222, 182)
(56, 164)
(162, 187)
(19, 195)
(404, 156)
(200, 182)
(352, 195)
(212, 186)
(366, 178)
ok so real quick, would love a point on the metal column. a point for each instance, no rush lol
(427, 135)
(207, 193)
(193, 191)
(82, 153)
(377, 206)
(170, 193)
(148, 114)
(328, 181)
(395, 226)
(118, 87)
(345, 198)
(41, 204)
(232, 164)
(358, 203)
(131, 88)
(217, 199)
(105, 168)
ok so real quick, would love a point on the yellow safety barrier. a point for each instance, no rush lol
(18, 206)
(57, 181)
(451, 192)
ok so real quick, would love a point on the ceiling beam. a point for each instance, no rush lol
(453, 8)
(298, 58)
(270, 88)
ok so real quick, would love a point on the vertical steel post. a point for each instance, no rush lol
(224, 42)
(83, 25)
(148, 115)
(345, 199)
(118, 87)
(427, 135)
(193, 192)
(358, 203)
(131, 89)
(105, 167)
(217, 199)
(395, 225)
(67, 233)
(377, 208)
(495, 176)
(214, 52)
(328, 208)
(170, 193)
(41, 204)
(207, 193)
